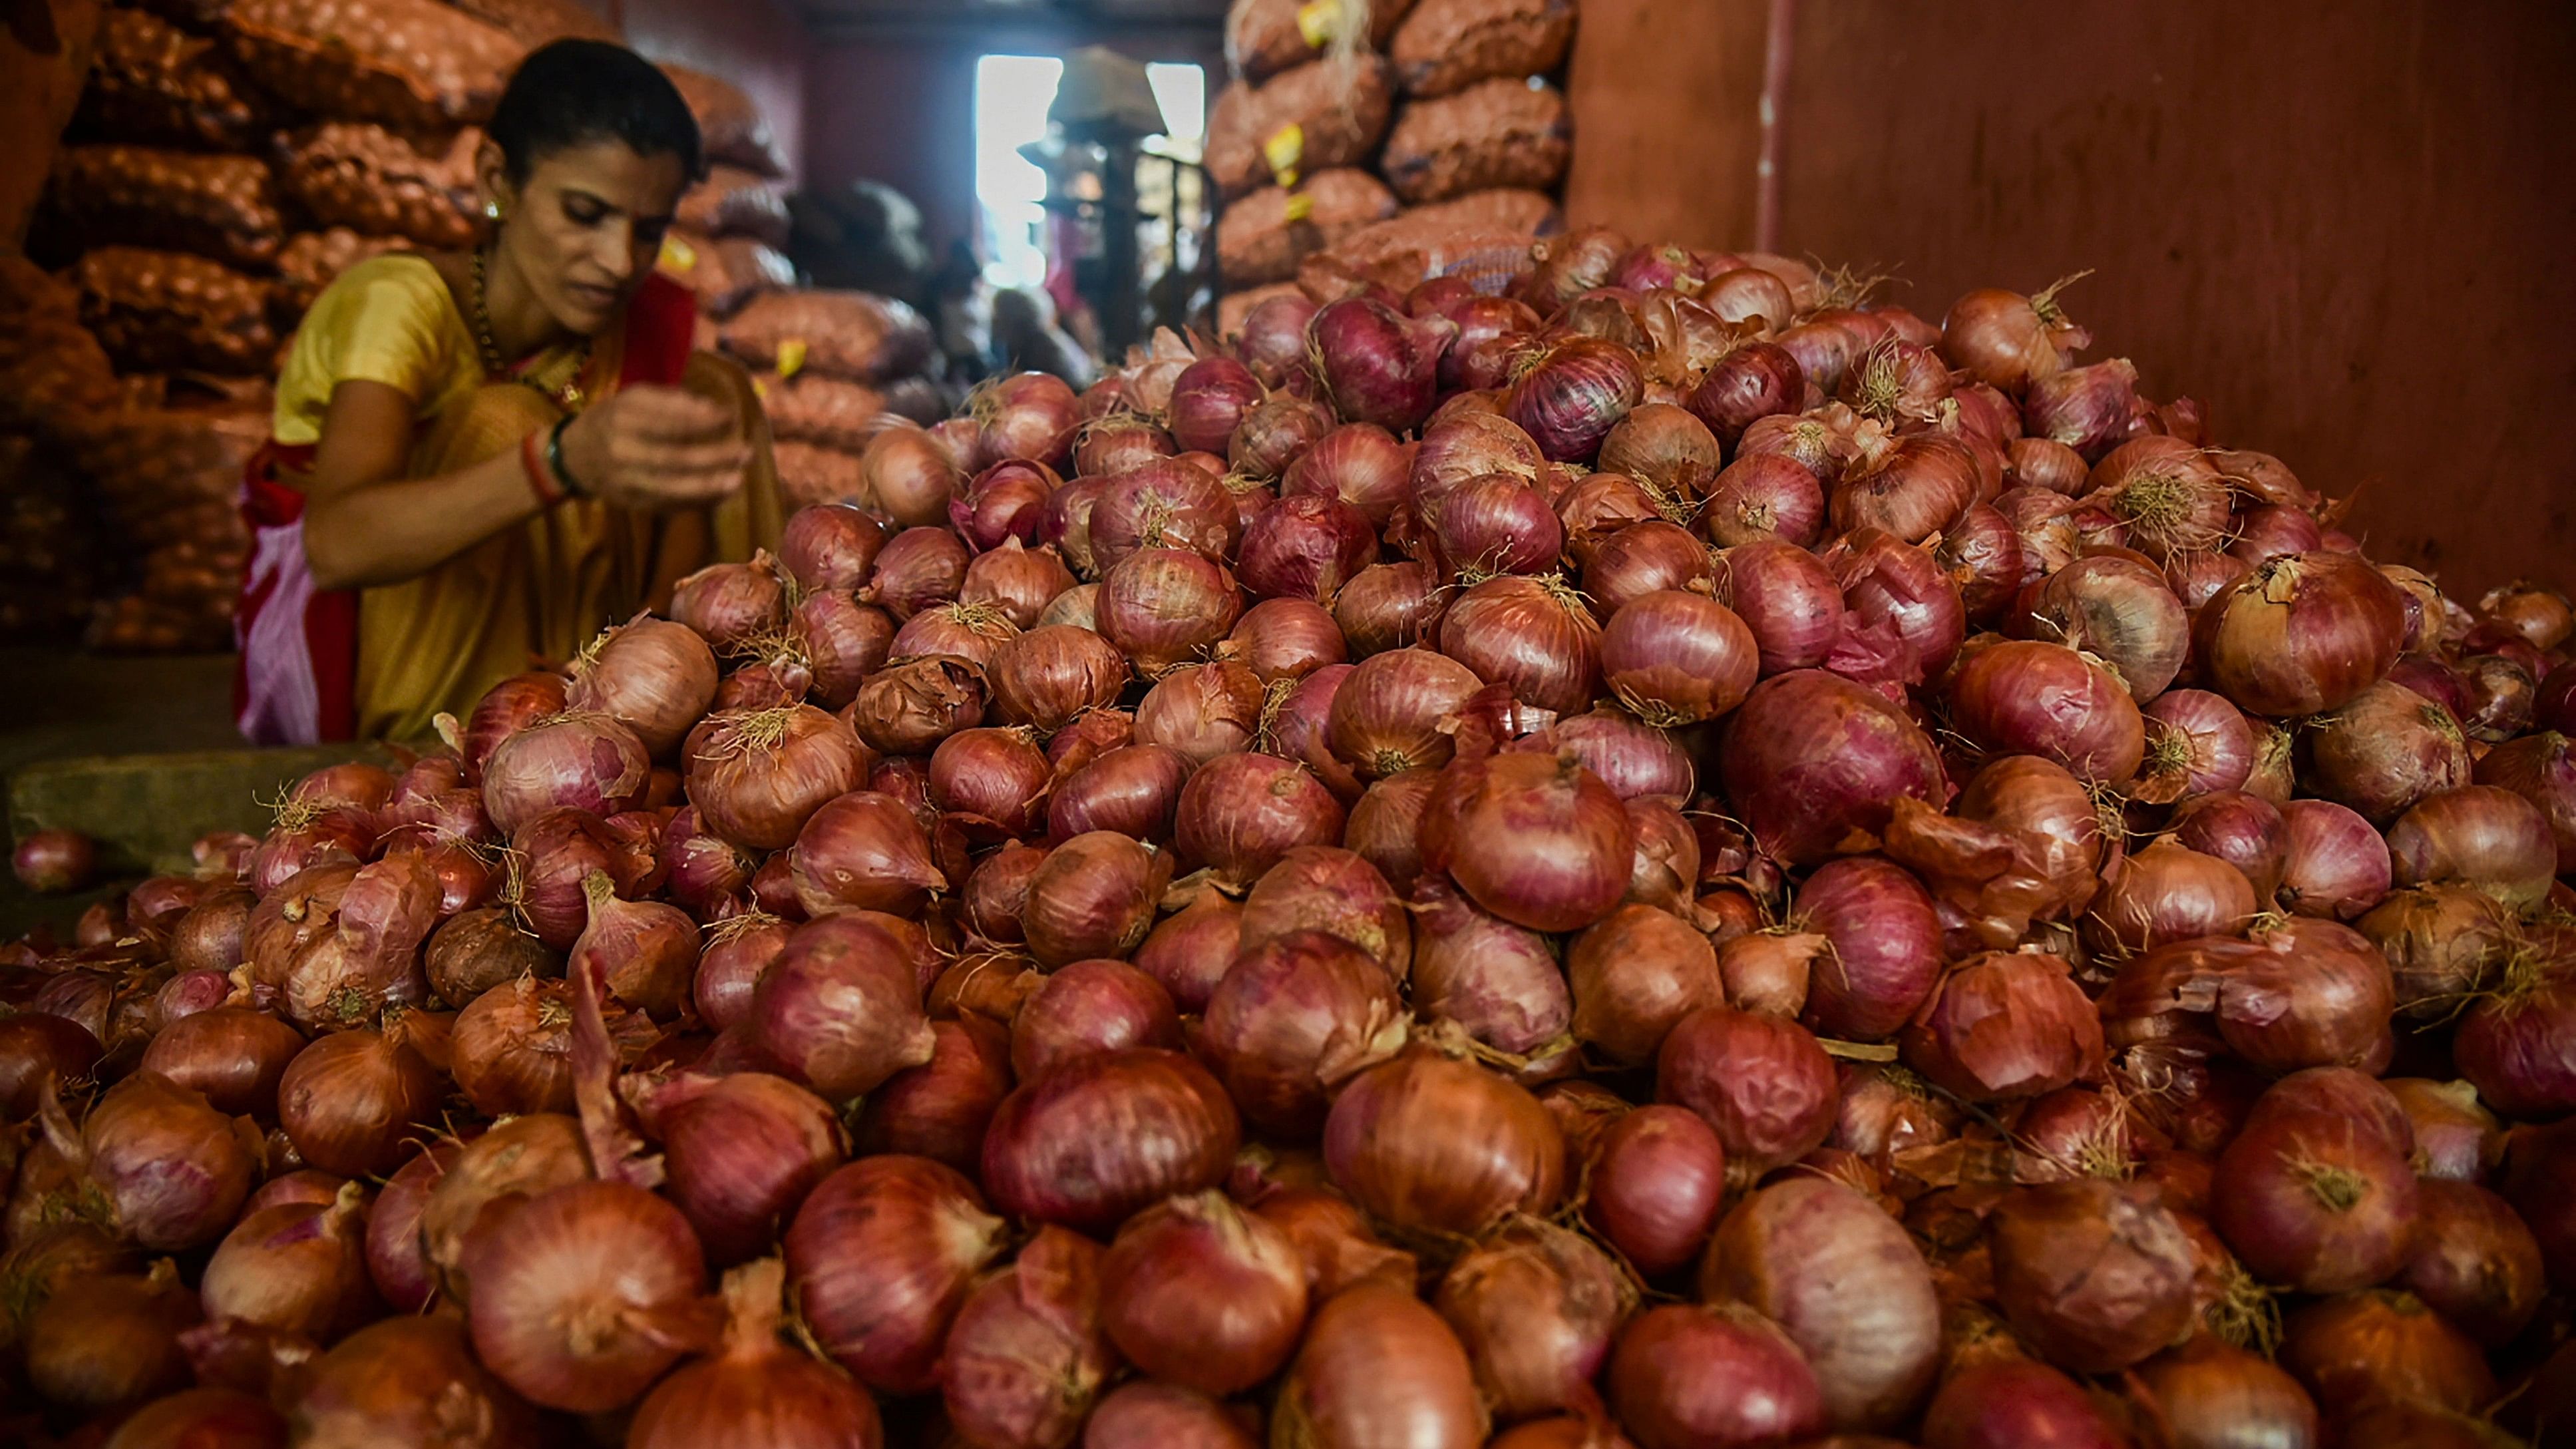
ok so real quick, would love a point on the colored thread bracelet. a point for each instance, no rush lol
(540, 479)
(554, 459)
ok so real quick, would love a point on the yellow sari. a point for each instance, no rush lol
(532, 595)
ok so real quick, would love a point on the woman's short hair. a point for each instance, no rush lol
(573, 92)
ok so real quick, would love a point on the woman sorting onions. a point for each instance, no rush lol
(481, 458)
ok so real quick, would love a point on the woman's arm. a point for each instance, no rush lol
(365, 524)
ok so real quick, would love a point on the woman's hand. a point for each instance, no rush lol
(651, 447)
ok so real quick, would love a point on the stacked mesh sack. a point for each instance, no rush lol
(1361, 132)
(834, 368)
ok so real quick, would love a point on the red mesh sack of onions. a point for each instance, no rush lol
(1501, 132)
(224, 207)
(731, 201)
(313, 260)
(1444, 46)
(1337, 108)
(1265, 37)
(386, 182)
(156, 84)
(410, 63)
(533, 23)
(855, 336)
(167, 311)
(730, 127)
(1263, 237)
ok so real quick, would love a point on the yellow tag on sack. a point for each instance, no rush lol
(1300, 207)
(760, 389)
(1317, 20)
(1285, 148)
(791, 357)
(678, 255)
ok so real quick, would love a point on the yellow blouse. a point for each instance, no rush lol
(389, 319)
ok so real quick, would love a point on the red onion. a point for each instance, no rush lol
(2246, 831)
(1762, 1083)
(1131, 790)
(297, 1268)
(2169, 893)
(1165, 504)
(582, 761)
(396, 1261)
(1787, 597)
(1018, 581)
(2301, 634)
(2332, 863)
(908, 708)
(2512, 1046)
(1764, 496)
(1749, 383)
(732, 604)
(918, 568)
(1909, 487)
(1239, 814)
(1161, 606)
(2086, 408)
(1004, 502)
(36, 1047)
(841, 1009)
(1094, 1140)
(2365, 1348)
(1088, 1008)
(2474, 1261)
(1570, 396)
(2197, 744)
(879, 1258)
(1654, 1187)
(755, 1389)
(1031, 415)
(2003, 1025)
(1274, 336)
(2457, 1139)
(2031, 698)
(1209, 399)
(2010, 341)
(1337, 892)
(2114, 606)
(1540, 842)
(2385, 750)
(997, 892)
(1667, 448)
(864, 851)
(1689, 1375)
(1457, 450)
(756, 777)
(1634, 975)
(1535, 1307)
(1201, 1293)
(940, 1109)
(995, 775)
(2166, 495)
(506, 708)
(1026, 1355)
(829, 546)
(1054, 672)
(1534, 635)
(1274, 433)
(2478, 835)
(408, 1380)
(1499, 982)
(1088, 736)
(743, 1151)
(349, 1101)
(590, 1293)
(1192, 949)
(1641, 559)
(1377, 365)
(54, 862)
(1678, 658)
(908, 475)
(2003, 1402)
(1293, 1018)
(2317, 1201)
(1305, 548)
(1145, 1414)
(113, 1341)
(1885, 956)
(2094, 1275)
(202, 1418)
(1361, 466)
(1378, 1366)
(651, 675)
(1430, 1142)
(1094, 896)
(232, 1054)
(1849, 1286)
(1905, 620)
(1386, 716)
(1811, 756)
(1285, 639)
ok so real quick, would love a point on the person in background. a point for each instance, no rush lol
(1026, 337)
(480, 459)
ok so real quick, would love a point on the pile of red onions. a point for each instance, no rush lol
(1648, 853)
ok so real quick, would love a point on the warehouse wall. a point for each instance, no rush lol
(758, 45)
(2342, 228)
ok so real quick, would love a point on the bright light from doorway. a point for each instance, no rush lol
(1180, 88)
(1012, 93)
